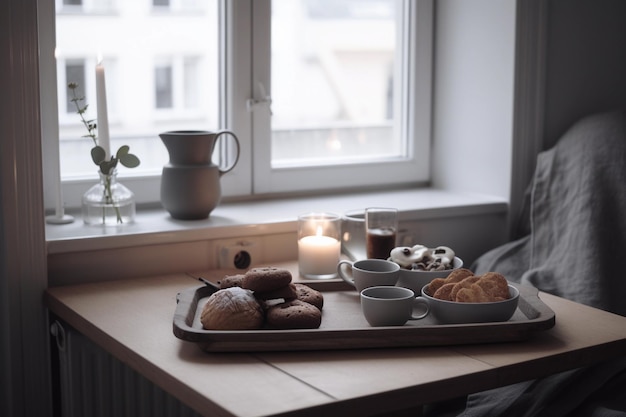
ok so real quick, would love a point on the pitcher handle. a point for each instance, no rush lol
(224, 171)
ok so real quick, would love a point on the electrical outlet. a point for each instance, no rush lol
(239, 253)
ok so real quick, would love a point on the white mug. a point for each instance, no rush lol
(368, 272)
(390, 306)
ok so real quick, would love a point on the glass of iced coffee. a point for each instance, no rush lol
(381, 225)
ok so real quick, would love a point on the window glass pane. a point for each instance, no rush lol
(158, 66)
(333, 66)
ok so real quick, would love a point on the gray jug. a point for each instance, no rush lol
(190, 184)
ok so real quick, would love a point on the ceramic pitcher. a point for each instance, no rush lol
(190, 184)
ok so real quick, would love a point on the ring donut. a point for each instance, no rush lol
(422, 252)
(444, 254)
(406, 256)
(423, 258)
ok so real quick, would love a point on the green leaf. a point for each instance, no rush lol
(123, 150)
(107, 167)
(98, 155)
(129, 160)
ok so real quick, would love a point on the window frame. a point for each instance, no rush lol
(242, 66)
(418, 17)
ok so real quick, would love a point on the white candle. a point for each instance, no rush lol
(318, 255)
(103, 117)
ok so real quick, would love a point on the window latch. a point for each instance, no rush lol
(265, 100)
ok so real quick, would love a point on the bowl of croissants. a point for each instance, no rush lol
(463, 297)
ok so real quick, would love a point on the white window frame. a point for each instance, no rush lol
(245, 63)
(415, 123)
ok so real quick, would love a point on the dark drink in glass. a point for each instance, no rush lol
(380, 242)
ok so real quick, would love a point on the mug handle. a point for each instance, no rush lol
(418, 301)
(340, 272)
(228, 132)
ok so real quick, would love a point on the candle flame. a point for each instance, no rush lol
(319, 231)
(99, 59)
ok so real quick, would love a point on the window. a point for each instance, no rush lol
(332, 87)
(163, 86)
(349, 83)
(153, 82)
(323, 94)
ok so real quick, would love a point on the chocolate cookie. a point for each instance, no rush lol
(309, 295)
(288, 292)
(294, 314)
(266, 279)
(231, 281)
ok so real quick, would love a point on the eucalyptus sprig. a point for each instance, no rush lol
(98, 154)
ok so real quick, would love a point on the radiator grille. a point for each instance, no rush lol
(95, 384)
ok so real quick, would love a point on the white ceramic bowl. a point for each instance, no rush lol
(452, 312)
(415, 280)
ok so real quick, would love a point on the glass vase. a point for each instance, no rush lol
(108, 203)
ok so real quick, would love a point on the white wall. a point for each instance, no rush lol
(473, 95)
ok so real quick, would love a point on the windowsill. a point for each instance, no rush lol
(256, 218)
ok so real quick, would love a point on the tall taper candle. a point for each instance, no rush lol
(103, 117)
(50, 125)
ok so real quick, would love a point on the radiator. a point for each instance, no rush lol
(95, 384)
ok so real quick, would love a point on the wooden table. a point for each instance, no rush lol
(132, 319)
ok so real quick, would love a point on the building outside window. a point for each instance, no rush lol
(163, 87)
(74, 72)
(84, 6)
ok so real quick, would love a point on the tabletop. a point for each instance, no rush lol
(132, 320)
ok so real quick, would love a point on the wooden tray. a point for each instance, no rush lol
(344, 327)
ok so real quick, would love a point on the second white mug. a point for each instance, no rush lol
(368, 272)
(391, 306)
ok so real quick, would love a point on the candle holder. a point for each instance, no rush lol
(353, 234)
(319, 245)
